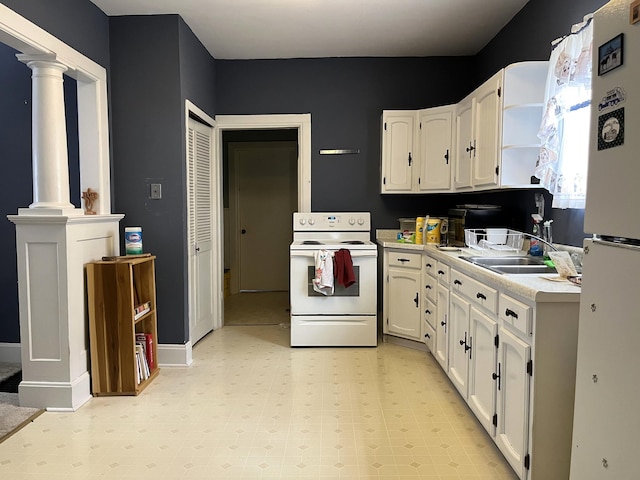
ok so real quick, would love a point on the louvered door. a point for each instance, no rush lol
(200, 230)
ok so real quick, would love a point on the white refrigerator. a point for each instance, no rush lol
(606, 430)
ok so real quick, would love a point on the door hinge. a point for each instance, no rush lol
(530, 368)
(496, 340)
(499, 91)
(527, 461)
(495, 420)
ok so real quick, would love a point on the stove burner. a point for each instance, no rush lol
(353, 242)
(311, 242)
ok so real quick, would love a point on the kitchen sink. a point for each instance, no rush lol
(512, 265)
(490, 261)
(520, 269)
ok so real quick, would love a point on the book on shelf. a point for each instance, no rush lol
(143, 367)
(147, 341)
(140, 310)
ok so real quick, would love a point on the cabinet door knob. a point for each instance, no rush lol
(440, 272)
(496, 376)
(481, 295)
(457, 282)
(410, 159)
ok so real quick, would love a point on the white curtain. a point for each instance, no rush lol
(564, 130)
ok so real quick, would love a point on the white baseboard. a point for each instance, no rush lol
(175, 355)
(10, 352)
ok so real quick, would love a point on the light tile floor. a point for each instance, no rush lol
(251, 407)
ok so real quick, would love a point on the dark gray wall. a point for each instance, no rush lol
(157, 63)
(83, 26)
(78, 23)
(345, 97)
(147, 148)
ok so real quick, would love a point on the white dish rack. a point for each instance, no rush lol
(495, 241)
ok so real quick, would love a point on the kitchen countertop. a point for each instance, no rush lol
(529, 286)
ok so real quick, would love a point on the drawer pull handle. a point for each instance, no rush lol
(402, 260)
(440, 272)
(428, 312)
(428, 287)
(481, 295)
(457, 282)
(427, 335)
(428, 265)
(510, 313)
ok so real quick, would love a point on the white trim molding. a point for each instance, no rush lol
(175, 355)
(302, 122)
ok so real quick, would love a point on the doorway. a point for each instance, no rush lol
(262, 195)
(247, 145)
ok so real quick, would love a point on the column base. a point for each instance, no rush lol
(56, 396)
(51, 210)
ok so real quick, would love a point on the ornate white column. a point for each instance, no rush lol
(49, 135)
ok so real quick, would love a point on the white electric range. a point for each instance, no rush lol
(348, 316)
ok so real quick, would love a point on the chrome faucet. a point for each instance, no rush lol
(542, 240)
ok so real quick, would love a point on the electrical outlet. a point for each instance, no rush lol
(156, 191)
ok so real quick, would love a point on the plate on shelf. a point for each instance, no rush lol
(448, 249)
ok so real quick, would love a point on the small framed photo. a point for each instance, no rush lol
(610, 55)
(634, 12)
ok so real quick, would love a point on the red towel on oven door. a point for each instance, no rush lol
(343, 271)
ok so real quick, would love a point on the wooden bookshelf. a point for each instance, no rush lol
(114, 289)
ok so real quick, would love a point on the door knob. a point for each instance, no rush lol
(243, 231)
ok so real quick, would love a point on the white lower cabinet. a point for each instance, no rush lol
(512, 357)
(403, 315)
(482, 368)
(459, 310)
(512, 413)
(441, 350)
(493, 338)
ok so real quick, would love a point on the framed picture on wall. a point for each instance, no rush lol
(610, 55)
(634, 12)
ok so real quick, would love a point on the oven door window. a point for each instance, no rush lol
(338, 290)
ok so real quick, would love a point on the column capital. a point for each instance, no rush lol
(42, 60)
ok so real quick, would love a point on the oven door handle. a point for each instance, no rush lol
(354, 253)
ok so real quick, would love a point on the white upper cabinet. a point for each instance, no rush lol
(487, 115)
(398, 130)
(464, 144)
(478, 136)
(488, 140)
(435, 154)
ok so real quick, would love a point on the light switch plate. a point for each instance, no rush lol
(156, 191)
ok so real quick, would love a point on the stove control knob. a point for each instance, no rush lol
(311, 221)
(302, 221)
(352, 221)
(360, 221)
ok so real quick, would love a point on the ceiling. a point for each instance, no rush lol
(261, 29)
